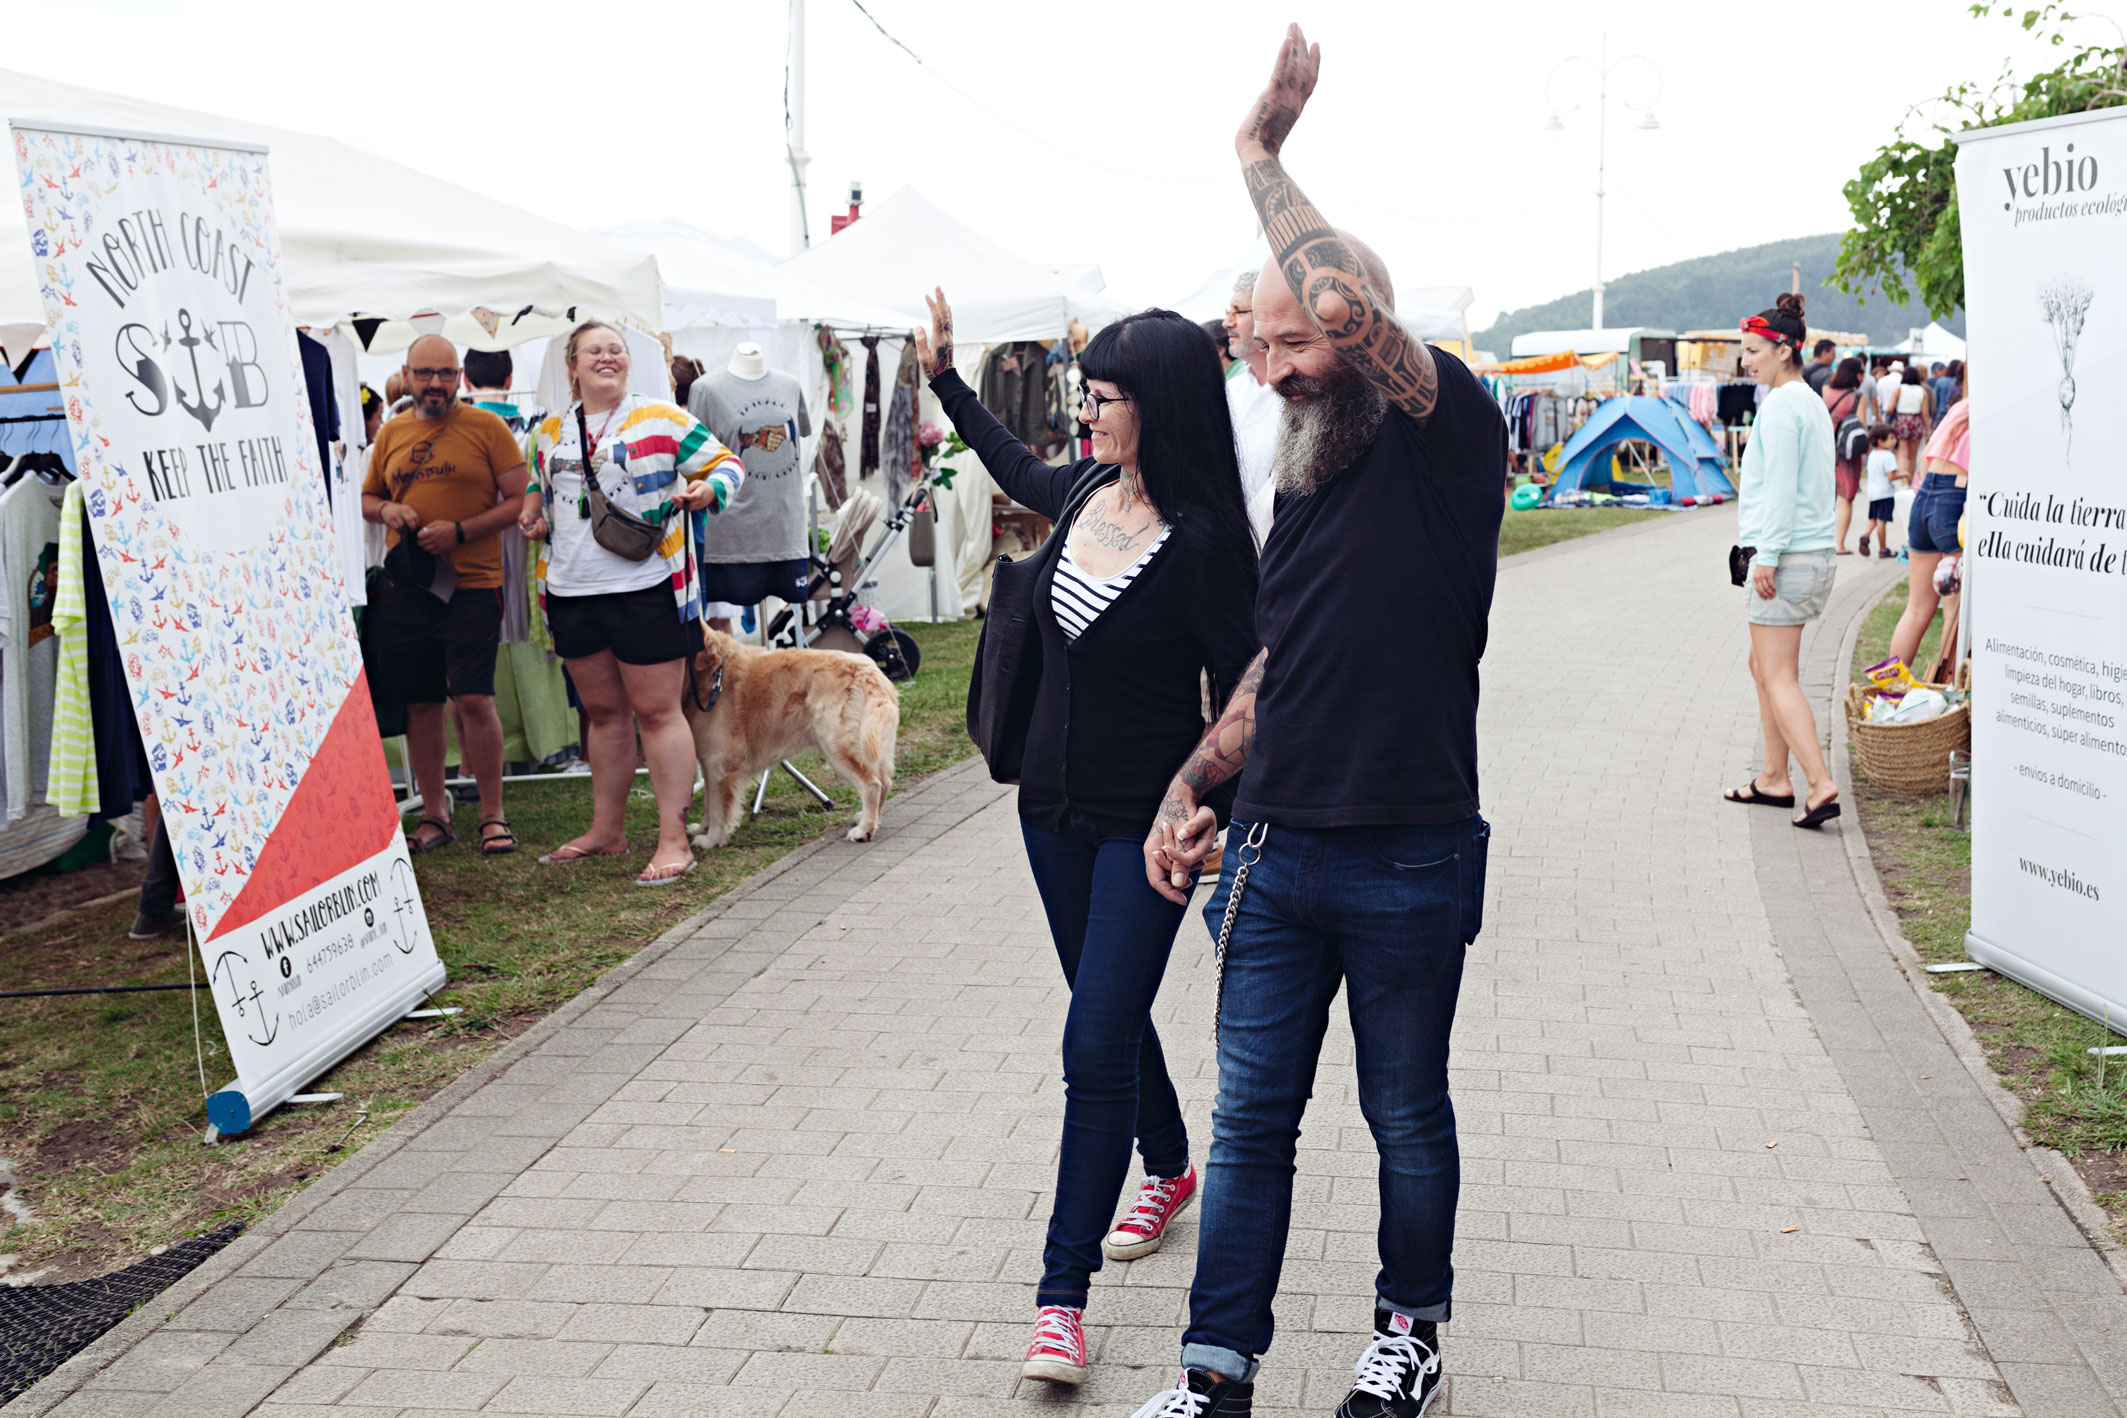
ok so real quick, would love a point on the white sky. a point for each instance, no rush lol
(1425, 136)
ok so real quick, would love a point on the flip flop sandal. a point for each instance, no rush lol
(1748, 794)
(499, 844)
(1819, 815)
(415, 846)
(648, 880)
(577, 855)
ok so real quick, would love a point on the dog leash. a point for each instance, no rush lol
(1242, 862)
(701, 615)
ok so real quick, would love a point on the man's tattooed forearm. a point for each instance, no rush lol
(1223, 751)
(1329, 280)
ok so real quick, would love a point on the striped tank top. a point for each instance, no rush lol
(1078, 598)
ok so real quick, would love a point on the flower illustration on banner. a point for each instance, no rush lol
(2062, 305)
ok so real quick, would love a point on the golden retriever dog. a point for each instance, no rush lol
(774, 705)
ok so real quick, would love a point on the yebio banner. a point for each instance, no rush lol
(178, 366)
(2044, 211)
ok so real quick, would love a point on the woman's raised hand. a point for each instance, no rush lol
(934, 349)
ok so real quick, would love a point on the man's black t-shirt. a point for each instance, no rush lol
(1373, 605)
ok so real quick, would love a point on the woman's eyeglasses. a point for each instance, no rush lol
(1098, 402)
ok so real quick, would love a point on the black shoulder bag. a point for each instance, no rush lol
(1000, 697)
(615, 528)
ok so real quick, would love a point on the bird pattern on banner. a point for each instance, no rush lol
(238, 663)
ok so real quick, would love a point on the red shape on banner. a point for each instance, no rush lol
(343, 813)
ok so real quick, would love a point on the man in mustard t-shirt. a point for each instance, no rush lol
(446, 478)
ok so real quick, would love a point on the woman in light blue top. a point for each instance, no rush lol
(1785, 504)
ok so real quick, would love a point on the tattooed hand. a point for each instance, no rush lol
(934, 350)
(1292, 79)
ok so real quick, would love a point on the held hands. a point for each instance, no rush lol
(399, 517)
(1761, 581)
(1181, 837)
(436, 538)
(532, 521)
(1292, 80)
(934, 349)
(696, 496)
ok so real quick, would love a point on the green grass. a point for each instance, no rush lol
(100, 1096)
(2072, 1101)
(1541, 526)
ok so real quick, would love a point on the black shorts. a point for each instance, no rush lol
(431, 650)
(639, 627)
(748, 583)
(1883, 509)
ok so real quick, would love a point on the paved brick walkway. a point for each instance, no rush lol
(796, 1159)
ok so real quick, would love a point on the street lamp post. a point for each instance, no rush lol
(1604, 66)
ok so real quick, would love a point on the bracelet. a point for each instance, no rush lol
(461, 532)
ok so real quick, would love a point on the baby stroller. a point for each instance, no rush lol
(842, 623)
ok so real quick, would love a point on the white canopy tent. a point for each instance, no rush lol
(361, 236)
(1932, 344)
(905, 245)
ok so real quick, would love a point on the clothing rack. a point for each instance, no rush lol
(51, 415)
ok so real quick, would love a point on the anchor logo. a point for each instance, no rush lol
(198, 407)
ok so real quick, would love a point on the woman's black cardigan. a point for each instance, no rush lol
(1119, 709)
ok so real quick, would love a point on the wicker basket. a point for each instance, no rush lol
(1909, 758)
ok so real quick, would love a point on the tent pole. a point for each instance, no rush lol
(794, 121)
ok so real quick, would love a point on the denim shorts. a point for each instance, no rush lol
(1933, 523)
(1803, 582)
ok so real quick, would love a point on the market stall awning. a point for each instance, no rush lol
(904, 246)
(1535, 364)
(361, 236)
(710, 281)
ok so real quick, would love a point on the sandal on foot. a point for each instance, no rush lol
(416, 844)
(1749, 793)
(566, 856)
(667, 875)
(496, 844)
(1819, 815)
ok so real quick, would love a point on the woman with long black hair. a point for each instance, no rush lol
(1149, 585)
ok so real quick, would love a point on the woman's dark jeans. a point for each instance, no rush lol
(1113, 933)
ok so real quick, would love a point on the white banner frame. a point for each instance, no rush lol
(2043, 209)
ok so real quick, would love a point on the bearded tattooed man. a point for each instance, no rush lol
(1355, 850)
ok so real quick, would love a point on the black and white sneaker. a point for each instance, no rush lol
(1399, 1374)
(1201, 1396)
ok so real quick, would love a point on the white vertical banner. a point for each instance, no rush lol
(2043, 206)
(159, 264)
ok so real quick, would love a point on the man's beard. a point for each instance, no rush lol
(423, 409)
(1324, 426)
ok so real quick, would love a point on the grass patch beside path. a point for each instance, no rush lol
(2072, 1102)
(100, 1110)
(1541, 526)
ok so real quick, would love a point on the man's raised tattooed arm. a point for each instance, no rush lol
(1325, 274)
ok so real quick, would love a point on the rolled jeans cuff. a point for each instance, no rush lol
(1418, 1314)
(1213, 1359)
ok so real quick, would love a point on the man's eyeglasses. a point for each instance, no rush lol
(1234, 312)
(429, 376)
(1098, 402)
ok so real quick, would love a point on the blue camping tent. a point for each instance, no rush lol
(1695, 465)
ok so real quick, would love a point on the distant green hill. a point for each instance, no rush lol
(1716, 291)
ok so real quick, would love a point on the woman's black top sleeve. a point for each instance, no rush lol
(1026, 479)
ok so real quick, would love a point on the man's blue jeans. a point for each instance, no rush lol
(1388, 912)
(1113, 934)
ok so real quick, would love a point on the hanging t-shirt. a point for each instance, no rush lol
(29, 651)
(762, 421)
(123, 777)
(71, 786)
